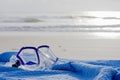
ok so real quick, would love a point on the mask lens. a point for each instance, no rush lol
(47, 57)
(29, 58)
(46, 52)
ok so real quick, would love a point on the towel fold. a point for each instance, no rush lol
(88, 71)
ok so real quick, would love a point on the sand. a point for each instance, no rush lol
(70, 45)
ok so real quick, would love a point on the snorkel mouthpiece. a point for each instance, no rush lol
(17, 64)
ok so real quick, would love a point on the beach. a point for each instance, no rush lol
(89, 35)
(69, 45)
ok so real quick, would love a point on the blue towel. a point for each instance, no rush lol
(5, 56)
(64, 70)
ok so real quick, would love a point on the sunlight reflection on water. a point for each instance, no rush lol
(92, 21)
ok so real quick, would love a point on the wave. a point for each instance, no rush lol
(60, 23)
(62, 28)
(43, 18)
(20, 20)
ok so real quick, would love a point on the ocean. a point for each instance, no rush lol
(86, 21)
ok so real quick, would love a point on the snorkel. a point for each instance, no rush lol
(31, 58)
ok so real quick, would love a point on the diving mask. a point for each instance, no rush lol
(32, 58)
